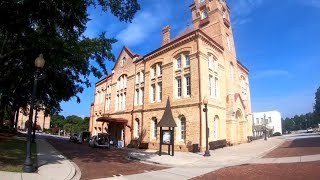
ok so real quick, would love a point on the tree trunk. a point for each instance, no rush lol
(1, 117)
(16, 120)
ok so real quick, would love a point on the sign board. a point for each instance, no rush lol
(166, 137)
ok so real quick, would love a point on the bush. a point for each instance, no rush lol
(277, 134)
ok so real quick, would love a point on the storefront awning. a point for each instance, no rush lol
(109, 119)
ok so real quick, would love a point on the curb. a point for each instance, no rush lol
(75, 171)
(77, 174)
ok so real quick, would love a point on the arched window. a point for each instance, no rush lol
(243, 86)
(156, 85)
(136, 128)
(216, 127)
(154, 128)
(212, 62)
(122, 82)
(123, 60)
(121, 93)
(156, 70)
(204, 14)
(182, 60)
(182, 128)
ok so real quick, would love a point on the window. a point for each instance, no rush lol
(160, 69)
(153, 95)
(136, 102)
(159, 91)
(257, 119)
(188, 85)
(121, 102)
(211, 85)
(178, 85)
(216, 87)
(187, 59)
(122, 82)
(117, 103)
(106, 105)
(204, 14)
(137, 128)
(123, 61)
(154, 71)
(269, 119)
(178, 63)
(141, 96)
(182, 128)
(228, 43)
(138, 78)
(141, 77)
(212, 63)
(154, 128)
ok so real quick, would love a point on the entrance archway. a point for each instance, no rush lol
(240, 127)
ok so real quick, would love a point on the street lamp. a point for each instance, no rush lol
(35, 123)
(265, 127)
(205, 109)
(39, 63)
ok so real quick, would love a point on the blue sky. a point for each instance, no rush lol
(278, 41)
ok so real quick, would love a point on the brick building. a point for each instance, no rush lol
(43, 121)
(201, 62)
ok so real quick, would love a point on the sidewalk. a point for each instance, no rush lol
(51, 166)
(189, 165)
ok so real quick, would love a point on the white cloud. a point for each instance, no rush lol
(270, 73)
(143, 25)
(241, 10)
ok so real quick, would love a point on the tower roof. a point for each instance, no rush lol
(167, 118)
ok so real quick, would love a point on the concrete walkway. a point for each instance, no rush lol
(51, 166)
(189, 165)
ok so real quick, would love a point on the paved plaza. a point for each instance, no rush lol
(53, 165)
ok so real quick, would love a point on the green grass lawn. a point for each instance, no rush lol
(13, 154)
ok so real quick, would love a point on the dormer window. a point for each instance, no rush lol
(204, 14)
(123, 60)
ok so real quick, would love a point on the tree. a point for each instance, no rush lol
(55, 29)
(57, 121)
(317, 102)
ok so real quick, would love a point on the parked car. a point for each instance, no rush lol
(310, 130)
(100, 140)
(73, 137)
(83, 137)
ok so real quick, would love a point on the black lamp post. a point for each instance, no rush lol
(35, 123)
(205, 109)
(28, 166)
(265, 127)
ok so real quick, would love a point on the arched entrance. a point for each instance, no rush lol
(240, 127)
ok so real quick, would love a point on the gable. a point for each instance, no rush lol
(238, 100)
(126, 56)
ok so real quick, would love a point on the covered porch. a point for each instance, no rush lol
(115, 127)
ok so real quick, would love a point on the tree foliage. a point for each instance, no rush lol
(317, 102)
(70, 124)
(55, 29)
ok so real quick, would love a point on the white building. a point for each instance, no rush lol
(272, 119)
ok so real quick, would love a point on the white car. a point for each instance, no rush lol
(310, 130)
(100, 140)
